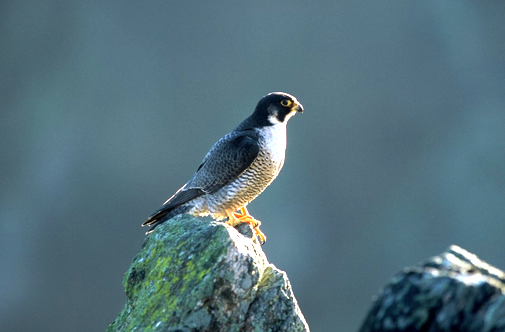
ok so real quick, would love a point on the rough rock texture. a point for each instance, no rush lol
(199, 275)
(454, 291)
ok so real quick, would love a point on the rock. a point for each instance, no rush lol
(194, 274)
(454, 291)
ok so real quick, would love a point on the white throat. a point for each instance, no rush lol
(274, 120)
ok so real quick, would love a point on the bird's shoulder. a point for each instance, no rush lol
(226, 160)
(233, 145)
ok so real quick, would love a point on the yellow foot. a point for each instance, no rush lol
(243, 216)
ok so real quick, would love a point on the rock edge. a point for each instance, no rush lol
(454, 291)
(194, 274)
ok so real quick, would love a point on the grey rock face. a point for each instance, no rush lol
(200, 275)
(454, 291)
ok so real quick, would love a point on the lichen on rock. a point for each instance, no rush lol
(194, 274)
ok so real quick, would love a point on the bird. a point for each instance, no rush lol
(237, 168)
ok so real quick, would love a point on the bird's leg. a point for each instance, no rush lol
(243, 216)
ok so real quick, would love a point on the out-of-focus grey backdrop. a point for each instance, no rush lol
(108, 107)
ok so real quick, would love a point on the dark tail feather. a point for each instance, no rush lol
(160, 217)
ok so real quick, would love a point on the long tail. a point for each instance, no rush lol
(161, 216)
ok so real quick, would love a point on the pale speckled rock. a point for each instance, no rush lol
(454, 291)
(194, 274)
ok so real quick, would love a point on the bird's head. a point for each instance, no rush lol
(277, 107)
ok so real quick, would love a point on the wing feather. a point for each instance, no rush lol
(225, 161)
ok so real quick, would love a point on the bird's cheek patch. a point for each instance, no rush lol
(274, 118)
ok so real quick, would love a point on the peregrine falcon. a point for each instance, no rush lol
(237, 168)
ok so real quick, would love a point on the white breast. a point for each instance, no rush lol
(273, 144)
(253, 181)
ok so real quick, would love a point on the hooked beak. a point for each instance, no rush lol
(297, 107)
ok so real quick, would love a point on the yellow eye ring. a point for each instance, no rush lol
(286, 102)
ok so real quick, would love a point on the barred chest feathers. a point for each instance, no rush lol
(251, 183)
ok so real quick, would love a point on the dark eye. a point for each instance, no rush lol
(286, 102)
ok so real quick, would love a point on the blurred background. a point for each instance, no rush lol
(107, 108)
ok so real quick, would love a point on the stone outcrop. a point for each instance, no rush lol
(194, 274)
